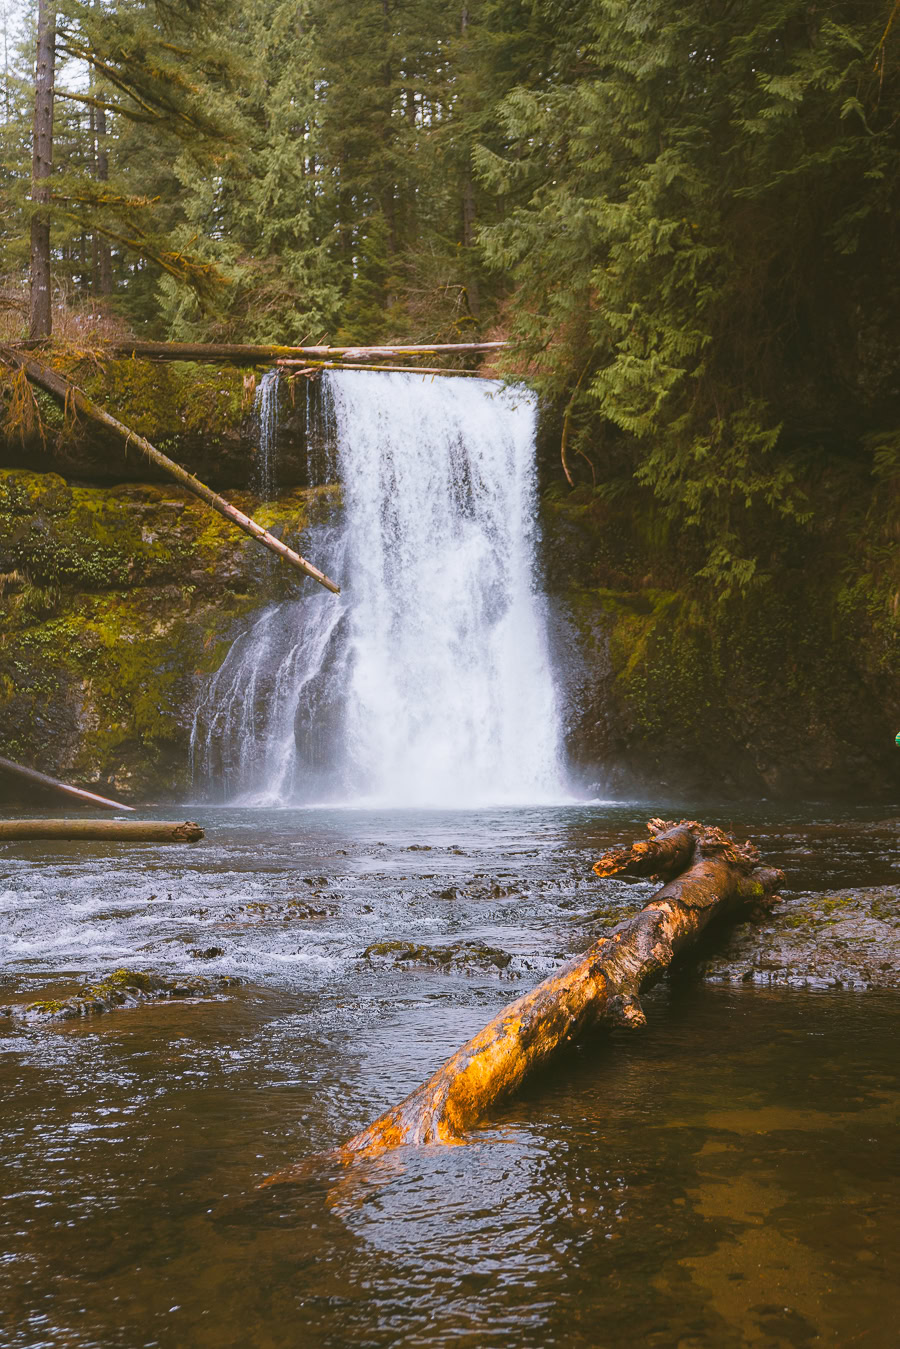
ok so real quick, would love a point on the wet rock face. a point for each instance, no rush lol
(200, 415)
(789, 691)
(842, 939)
(123, 988)
(114, 602)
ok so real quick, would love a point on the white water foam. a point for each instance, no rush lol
(428, 680)
(265, 410)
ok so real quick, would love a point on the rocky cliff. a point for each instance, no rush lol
(119, 595)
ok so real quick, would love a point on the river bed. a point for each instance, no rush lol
(726, 1178)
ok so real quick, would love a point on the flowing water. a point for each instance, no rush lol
(428, 681)
(726, 1178)
(265, 412)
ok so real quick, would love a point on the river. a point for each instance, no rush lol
(726, 1178)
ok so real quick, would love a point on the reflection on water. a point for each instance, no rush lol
(727, 1178)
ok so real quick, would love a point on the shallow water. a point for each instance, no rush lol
(726, 1178)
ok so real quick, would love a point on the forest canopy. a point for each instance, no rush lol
(683, 215)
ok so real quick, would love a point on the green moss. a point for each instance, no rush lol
(124, 988)
(164, 400)
(114, 602)
(460, 955)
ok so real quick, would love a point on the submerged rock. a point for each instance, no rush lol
(122, 988)
(461, 955)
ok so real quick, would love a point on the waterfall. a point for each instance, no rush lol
(265, 410)
(428, 680)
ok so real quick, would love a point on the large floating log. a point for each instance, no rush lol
(111, 831)
(43, 780)
(599, 988)
(242, 353)
(73, 398)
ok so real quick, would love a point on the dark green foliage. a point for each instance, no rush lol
(685, 216)
(704, 246)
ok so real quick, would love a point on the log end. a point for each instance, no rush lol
(189, 832)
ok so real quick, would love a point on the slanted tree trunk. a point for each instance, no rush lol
(707, 874)
(74, 400)
(44, 781)
(42, 161)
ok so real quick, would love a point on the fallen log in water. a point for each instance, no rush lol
(707, 874)
(74, 399)
(43, 780)
(112, 831)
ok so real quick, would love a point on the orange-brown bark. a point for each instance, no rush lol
(598, 988)
(667, 851)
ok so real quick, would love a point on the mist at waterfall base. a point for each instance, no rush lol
(428, 681)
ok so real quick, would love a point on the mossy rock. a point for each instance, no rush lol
(122, 988)
(114, 602)
(459, 956)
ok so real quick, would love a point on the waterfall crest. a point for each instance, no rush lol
(428, 680)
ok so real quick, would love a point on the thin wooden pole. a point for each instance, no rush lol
(37, 779)
(72, 397)
(111, 831)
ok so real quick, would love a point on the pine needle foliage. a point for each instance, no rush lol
(706, 217)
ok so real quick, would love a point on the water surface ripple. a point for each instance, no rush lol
(726, 1179)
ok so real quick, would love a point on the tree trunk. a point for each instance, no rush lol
(248, 354)
(468, 231)
(43, 780)
(111, 831)
(316, 368)
(600, 988)
(73, 398)
(42, 160)
(103, 270)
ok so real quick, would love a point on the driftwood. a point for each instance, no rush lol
(112, 831)
(43, 780)
(73, 398)
(242, 353)
(707, 874)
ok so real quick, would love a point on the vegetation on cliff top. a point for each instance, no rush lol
(685, 219)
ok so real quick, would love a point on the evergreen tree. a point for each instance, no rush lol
(263, 218)
(153, 69)
(703, 243)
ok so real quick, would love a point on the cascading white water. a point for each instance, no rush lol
(428, 680)
(265, 408)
